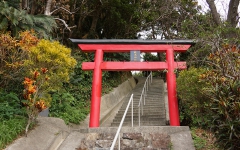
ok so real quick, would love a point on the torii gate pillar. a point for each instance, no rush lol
(101, 46)
(96, 90)
(171, 86)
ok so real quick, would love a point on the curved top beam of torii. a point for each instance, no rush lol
(132, 41)
(100, 46)
(126, 45)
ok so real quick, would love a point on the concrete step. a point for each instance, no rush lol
(147, 103)
(148, 112)
(142, 123)
(146, 106)
(128, 119)
(137, 119)
(148, 96)
(149, 107)
(155, 110)
(119, 117)
(147, 99)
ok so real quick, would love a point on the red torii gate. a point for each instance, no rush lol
(125, 45)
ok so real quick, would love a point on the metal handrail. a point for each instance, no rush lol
(143, 95)
(120, 125)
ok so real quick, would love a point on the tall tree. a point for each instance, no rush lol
(165, 18)
(232, 15)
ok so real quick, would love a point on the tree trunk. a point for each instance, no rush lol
(20, 5)
(232, 17)
(33, 7)
(215, 15)
(26, 4)
(92, 31)
(48, 8)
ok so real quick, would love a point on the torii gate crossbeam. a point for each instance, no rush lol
(101, 46)
(128, 66)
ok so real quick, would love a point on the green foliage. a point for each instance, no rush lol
(210, 38)
(12, 120)
(16, 20)
(80, 83)
(198, 142)
(192, 101)
(203, 139)
(164, 19)
(116, 56)
(122, 15)
(113, 79)
(10, 105)
(66, 107)
(223, 91)
(10, 129)
(150, 57)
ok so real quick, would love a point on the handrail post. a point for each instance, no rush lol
(132, 111)
(151, 76)
(146, 84)
(139, 116)
(145, 93)
(119, 147)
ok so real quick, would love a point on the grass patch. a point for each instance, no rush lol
(203, 139)
(11, 129)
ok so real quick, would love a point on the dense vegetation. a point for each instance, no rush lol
(37, 70)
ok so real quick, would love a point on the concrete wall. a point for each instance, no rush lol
(110, 103)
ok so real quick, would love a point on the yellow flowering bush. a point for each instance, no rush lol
(54, 56)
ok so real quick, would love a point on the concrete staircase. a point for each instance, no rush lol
(154, 113)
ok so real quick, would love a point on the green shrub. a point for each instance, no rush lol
(223, 90)
(192, 101)
(10, 105)
(66, 107)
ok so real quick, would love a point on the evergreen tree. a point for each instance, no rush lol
(15, 19)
